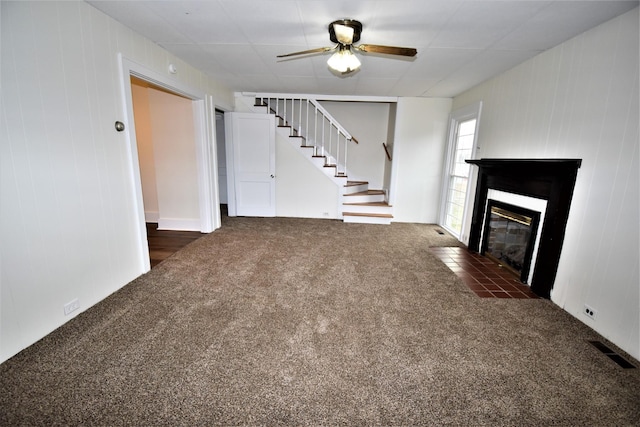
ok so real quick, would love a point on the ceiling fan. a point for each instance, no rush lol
(346, 32)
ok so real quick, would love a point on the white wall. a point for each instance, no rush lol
(174, 153)
(367, 122)
(391, 132)
(67, 220)
(418, 153)
(302, 190)
(580, 100)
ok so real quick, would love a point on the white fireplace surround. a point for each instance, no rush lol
(526, 202)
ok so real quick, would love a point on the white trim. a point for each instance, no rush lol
(180, 224)
(134, 168)
(205, 152)
(151, 216)
(469, 112)
(231, 185)
(206, 165)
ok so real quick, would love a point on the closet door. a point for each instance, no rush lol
(254, 164)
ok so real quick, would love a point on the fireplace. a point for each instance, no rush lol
(509, 236)
(552, 180)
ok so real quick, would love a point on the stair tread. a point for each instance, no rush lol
(354, 183)
(375, 215)
(368, 204)
(366, 193)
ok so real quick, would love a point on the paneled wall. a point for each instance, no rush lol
(580, 100)
(418, 156)
(66, 181)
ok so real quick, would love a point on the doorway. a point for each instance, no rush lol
(222, 163)
(204, 135)
(167, 157)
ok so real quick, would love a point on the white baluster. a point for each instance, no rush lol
(300, 118)
(346, 145)
(307, 123)
(315, 132)
(322, 136)
(337, 151)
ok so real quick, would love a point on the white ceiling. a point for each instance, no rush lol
(460, 43)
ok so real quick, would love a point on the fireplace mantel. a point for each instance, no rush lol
(549, 179)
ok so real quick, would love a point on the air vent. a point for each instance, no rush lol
(621, 361)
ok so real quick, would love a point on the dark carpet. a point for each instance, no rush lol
(315, 322)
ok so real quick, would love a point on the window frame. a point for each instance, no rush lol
(457, 117)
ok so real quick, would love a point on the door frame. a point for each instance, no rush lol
(204, 131)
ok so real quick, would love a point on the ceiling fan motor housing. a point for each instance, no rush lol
(352, 23)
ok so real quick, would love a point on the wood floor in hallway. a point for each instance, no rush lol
(164, 243)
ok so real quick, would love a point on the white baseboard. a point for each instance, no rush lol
(179, 224)
(151, 216)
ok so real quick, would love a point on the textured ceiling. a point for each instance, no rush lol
(460, 43)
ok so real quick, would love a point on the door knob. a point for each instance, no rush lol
(273, 176)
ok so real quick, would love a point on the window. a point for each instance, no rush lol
(462, 137)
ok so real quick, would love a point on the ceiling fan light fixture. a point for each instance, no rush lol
(344, 61)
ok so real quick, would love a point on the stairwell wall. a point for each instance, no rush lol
(418, 153)
(391, 131)
(368, 123)
(302, 190)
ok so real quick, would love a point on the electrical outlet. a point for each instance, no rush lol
(589, 312)
(71, 306)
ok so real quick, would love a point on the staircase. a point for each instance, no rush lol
(324, 142)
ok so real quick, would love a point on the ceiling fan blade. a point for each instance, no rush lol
(306, 52)
(389, 50)
(344, 34)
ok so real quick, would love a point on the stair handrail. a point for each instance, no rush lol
(332, 120)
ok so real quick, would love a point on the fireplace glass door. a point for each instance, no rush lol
(510, 234)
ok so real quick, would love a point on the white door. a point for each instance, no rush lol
(254, 164)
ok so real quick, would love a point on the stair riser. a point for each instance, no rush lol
(366, 220)
(365, 198)
(356, 188)
(284, 131)
(331, 171)
(368, 209)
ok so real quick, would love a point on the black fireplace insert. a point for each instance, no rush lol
(509, 236)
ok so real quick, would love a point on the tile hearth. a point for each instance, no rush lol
(482, 275)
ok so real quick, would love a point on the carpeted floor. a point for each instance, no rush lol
(315, 322)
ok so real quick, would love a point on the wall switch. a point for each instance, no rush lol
(71, 306)
(589, 312)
